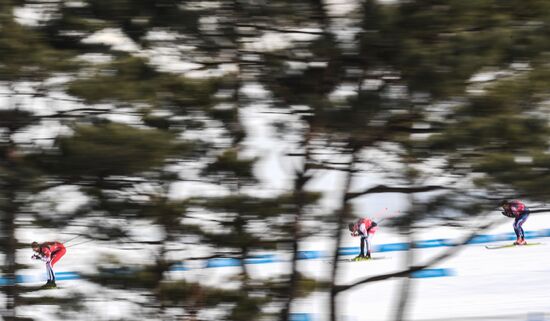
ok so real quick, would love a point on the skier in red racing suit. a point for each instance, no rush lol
(520, 213)
(50, 253)
(363, 227)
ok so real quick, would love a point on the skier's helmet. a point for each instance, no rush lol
(351, 226)
(503, 202)
(35, 245)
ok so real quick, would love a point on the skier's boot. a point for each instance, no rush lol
(521, 241)
(49, 285)
(360, 257)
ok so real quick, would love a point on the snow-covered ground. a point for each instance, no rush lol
(504, 284)
(478, 284)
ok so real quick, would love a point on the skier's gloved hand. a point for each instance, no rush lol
(40, 257)
(507, 214)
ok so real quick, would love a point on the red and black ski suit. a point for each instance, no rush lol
(51, 253)
(364, 227)
(520, 213)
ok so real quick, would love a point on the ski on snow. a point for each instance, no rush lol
(503, 246)
(373, 258)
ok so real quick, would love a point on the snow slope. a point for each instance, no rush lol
(504, 284)
(476, 284)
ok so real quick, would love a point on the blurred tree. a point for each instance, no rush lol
(27, 62)
(359, 84)
(249, 224)
(125, 170)
(413, 62)
(112, 163)
(500, 136)
(17, 179)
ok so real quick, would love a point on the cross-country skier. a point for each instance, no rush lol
(363, 227)
(51, 253)
(520, 213)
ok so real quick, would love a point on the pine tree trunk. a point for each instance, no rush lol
(10, 248)
(293, 282)
(406, 285)
(300, 181)
(342, 215)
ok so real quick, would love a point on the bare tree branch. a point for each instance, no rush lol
(282, 30)
(390, 189)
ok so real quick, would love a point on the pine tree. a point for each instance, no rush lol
(26, 59)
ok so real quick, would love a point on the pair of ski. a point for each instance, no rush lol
(504, 246)
(372, 258)
(37, 288)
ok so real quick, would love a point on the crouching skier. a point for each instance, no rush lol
(50, 253)
(364, 227)
(517, 210)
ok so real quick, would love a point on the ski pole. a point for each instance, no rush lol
(74, 238)
(391, 215)
(376, 215)
(78, 243)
